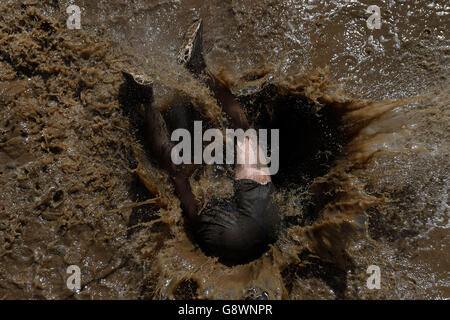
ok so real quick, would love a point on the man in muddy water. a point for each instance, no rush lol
(237, 231)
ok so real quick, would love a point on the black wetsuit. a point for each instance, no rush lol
(239, 230)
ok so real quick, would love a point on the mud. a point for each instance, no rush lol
(363, 117)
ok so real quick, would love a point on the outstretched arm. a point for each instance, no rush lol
(161, 147)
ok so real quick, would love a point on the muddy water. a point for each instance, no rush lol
(363, 117)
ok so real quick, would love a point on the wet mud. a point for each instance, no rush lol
(363, 118)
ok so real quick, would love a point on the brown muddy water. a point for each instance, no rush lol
(364, 128)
